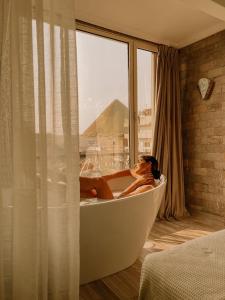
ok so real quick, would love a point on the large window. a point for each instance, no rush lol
(115, 105)
(103, 102)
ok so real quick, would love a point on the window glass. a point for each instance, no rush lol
(103, 104)
(144, 101)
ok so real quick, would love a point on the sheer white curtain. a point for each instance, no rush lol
(39, 184)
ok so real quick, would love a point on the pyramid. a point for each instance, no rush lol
(110, 122)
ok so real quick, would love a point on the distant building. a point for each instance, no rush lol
(105, 143)
(145, 133)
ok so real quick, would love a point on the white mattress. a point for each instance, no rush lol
(194, 270)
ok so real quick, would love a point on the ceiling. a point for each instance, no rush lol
(176, 23)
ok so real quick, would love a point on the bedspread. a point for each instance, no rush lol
(194, 270)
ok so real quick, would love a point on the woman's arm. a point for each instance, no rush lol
(132, 187)
(118, 174)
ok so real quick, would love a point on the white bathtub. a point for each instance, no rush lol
(113, 232)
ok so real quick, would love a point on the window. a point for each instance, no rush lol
(144, 100)
(114, 81)
(103, 102)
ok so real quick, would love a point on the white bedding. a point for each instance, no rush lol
(194, 270)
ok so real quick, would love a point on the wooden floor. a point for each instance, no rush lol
(124, 285)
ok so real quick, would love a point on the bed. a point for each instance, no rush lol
(194, 270)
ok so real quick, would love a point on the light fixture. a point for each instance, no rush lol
(205, 86)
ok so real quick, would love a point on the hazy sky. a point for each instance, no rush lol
(103, 75)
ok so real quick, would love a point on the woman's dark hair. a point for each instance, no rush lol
(148, 158)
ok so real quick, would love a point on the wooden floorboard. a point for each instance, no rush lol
(124, 285)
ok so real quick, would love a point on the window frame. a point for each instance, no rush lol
(139, 44)
(133, 44)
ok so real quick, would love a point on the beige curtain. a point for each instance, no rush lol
(167, 141)
(39, 183)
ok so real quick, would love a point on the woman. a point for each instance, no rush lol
(144, 172)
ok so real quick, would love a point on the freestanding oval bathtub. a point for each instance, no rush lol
(113, 232)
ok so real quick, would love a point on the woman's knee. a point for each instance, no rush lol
(99, 181)
(92, 182)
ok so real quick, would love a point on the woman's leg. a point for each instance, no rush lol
(88, 194)
(99, 184)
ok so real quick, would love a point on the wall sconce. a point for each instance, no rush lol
(205, 86)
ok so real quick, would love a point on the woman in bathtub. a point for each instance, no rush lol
(144, 172)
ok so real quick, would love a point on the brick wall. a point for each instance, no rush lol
(204, 124)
